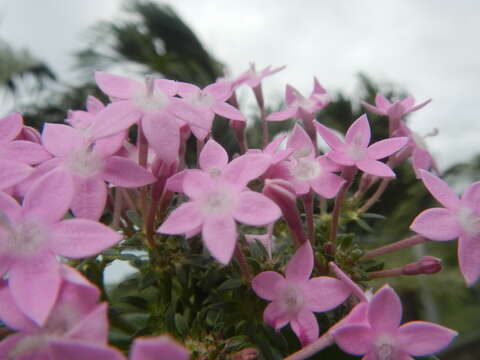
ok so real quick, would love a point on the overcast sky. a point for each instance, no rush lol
(429, 47)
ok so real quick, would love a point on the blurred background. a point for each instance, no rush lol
(429, 49)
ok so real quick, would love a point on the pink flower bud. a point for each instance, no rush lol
(283, 194)
(426, 265)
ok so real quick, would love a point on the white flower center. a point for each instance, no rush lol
(218, 202)
(385, 348)
(84, 162)
(215, 173)
(292, 299)
(201, 99)
(150, 101)
(306, 169)
(356, 151)
(469, 221)
(27, 238)
(28, 345)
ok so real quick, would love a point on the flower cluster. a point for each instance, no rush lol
(60, 187)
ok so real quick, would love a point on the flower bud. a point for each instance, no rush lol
(426, 265)
(283, 194)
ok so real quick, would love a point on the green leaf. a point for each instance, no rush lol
(181, 325)
(373, 216)
(149, 279)
(135, 218)
(137, 301)
(230, 284)
(376, 267)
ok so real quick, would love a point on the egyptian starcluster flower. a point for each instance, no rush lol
(219, 196)
(356, 151)
(16, 154)
(33, 234)
(381, 337)
(298, 106)
(459, 218)
(295, 297)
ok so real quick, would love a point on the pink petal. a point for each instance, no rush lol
(256, 209)
(325, 293)
(373, 109)
(355, 339)
(385, 311)
(353, 286)
(375, 167)
(407, 102)
(359, 132)
(305, 326)
(183, 219)
(340, 158)
(24, 151)
(327, 185)
(157, 348)
(162, 131)
(440, 190)
(8, 344)
(220, 90)
(420, 338)
(437, 224)
(421, 160)
(329, 165)
(186, 89)
(62, 349)
(220, 236)
(213, 156)
(300, 141)
(92, 327)
(169, 87)
(282, 115)
(382, 102)
(116, 117)
(196, 184)
(123, 172)
(292, 95)
(94, 105)
(90, 198)
(274, 145)
(34, 284)
(49, 197)
(110, 145)
(61, 139)
(228, 111)
(13, 172)
(187, 112)
(471, 195)
(117, 86)
(77, 238)
(469, 258)
(329, 136)
(175, 182)
(275, 315)
(10, 314)
(268, 285)
(9, 207)
(386, 147)
(243, 169)
(10, 126)
(419, 106)
(300, 266)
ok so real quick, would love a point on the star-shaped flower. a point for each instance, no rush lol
(295, 297)
(298, 106)
(356, 151)
(34, 234)
(395, 109)
(382, 338)
(219, 196)
(459, 218)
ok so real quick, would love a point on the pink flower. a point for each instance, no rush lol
(153, 105)
(158, 348)
(304, 171)
(395, 109)
(253, 78)
(32, 235)
(219, 196)
(295, 297)
(356, 151)
(16, 155)
(89, 166)
(266, 239)
(298, 106)
(381, 337)
(210, 101)
(459, 218)
(76, 317)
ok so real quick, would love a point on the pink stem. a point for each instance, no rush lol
(321, 343)
(411, 241)
(308, 205)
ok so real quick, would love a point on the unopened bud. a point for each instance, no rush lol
(283, 194)
(426, 265)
